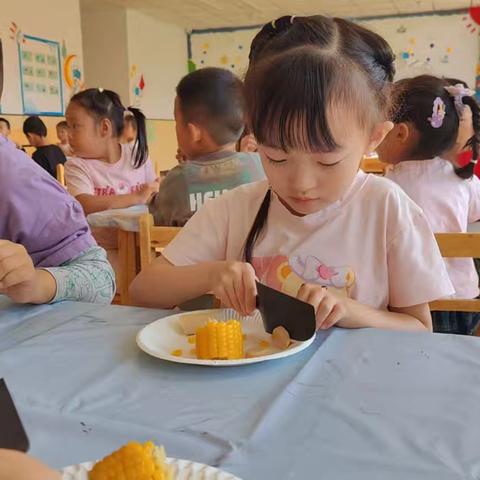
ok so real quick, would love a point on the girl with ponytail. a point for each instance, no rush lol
(435, 117)
(104, 173)
(319, 229)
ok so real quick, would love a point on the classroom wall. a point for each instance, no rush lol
(436, 43)
(157, 53)
(55, 26)
(104, 32)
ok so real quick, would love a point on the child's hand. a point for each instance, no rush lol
(329, 309)
(147, 191)
(233, 283)
(18, 278)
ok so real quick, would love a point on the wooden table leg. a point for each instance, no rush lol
(127, 254)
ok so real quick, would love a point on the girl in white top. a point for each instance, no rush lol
(428, 112)
(352, 245)
(104, 173)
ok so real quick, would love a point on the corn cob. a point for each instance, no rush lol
(133, 461)
(220, 340)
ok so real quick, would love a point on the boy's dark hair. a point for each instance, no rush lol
(62, 124)
(35, 125)
(213, 98)
(4, 120)
(414, 100)
(102, 103)
(302, 69)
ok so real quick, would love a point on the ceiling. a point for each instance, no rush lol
(201, 14)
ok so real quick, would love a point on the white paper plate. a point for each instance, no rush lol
(183, 470)
(163, 336)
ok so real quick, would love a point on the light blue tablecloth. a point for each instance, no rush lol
(363, 405)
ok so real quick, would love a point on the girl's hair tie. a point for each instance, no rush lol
(457, 92)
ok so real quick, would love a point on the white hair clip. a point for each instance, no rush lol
(100, 89)
(458, 91)
(292, 18)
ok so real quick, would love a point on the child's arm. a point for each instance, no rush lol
(88, 278)
(97, 203)
(345, 312)
(233, 283)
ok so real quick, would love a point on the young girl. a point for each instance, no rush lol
(47, 253)
(427, 117)
(352, 245)
(461, 153)
(106, 174)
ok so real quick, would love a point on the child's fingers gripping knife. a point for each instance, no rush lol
(329, 309)
(233, 284)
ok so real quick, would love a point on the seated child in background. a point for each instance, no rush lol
(4, 127)
(352, 245)
(104, 173)
(210, 117)
(5, 131)
(129, 133)
(47, 253)
(62, 135)
(46, 155)
(428, 112)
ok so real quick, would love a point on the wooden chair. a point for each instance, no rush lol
(458, 245)
(61, 175)
(373, 165)
(153, 238)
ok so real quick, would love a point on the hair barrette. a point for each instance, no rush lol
(438, 113)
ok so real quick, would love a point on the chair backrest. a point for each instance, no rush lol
(153, 238)
(61, 174)
(373, 165)
(458, 245)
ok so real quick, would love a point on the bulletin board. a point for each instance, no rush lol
(444, 44)
(40, 76)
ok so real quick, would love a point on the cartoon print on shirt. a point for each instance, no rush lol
(289, 274)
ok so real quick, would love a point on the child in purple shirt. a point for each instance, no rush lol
(47, 252)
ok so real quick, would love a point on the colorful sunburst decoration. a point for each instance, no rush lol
(472, 20)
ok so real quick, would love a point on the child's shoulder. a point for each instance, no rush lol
(385, 194)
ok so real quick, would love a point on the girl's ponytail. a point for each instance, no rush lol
(141, 146)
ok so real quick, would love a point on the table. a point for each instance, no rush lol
(125, 220)
(359, 404)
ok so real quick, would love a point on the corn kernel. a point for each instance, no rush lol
(220, 341)
(191, 339)
(177, 353)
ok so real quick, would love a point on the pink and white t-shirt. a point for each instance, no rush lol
(95, 177)
(374, 244)
(449, 204)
